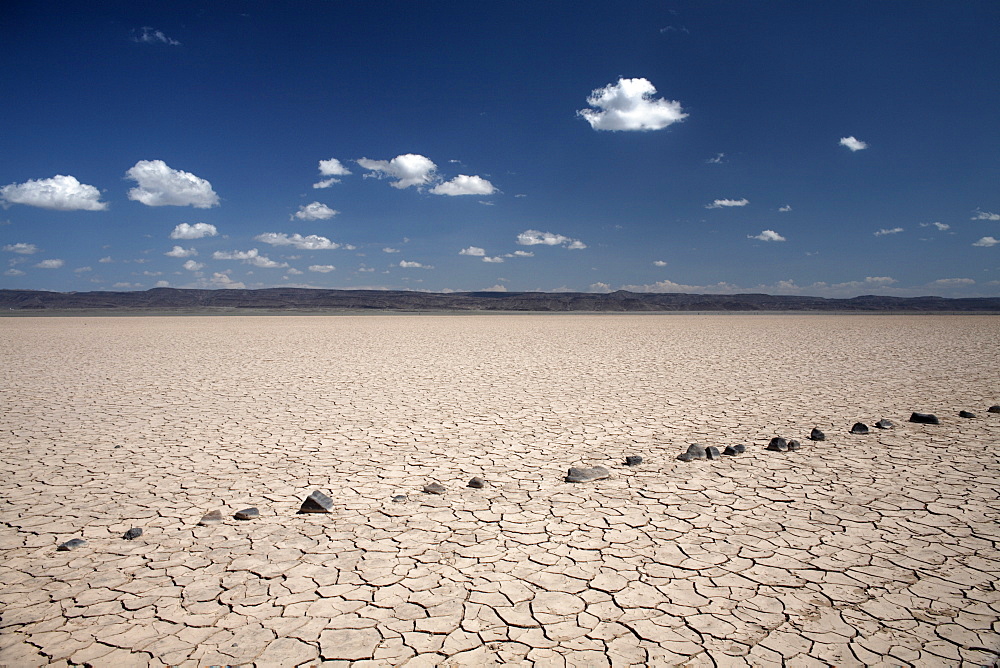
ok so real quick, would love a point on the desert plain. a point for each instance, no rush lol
(876, 549)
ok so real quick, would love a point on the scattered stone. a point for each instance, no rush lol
(212, 517)
(247, 514)
(794, 445)
(633, 460)
(71, 544)
(778, 444)
(966, 414)
(586, 475)
(132, 533)
(740, 448)
(885, 424)
(434, 488)
(995, 408)
(730, 451)
(694, 451)
(477, 483)
(117, 446)
(400, 498)
(712, 452)
(924, 418)
(859, 428)
(817, 435)
(317, 502)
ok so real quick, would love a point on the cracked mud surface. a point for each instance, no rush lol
(859, 550)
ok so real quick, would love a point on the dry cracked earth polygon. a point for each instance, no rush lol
(878, 549)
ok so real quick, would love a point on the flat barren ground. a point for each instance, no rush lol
(857, 550)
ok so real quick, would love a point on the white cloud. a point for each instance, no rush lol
(81, 270)
(496, 259)
(294, 271)
(464, 185)
(940, 226)
(178, 251)
(496, 288)
(521, 254)
(159, 185)
(473, 250)
(106, 260)
(191, 265)
(413, 265)
(325, 183)
(332, 167)
(786, 208)
(162, 284)
(60, 193)
(659, 263)
(221, 280)
(767, 235)
(853, 144)
(953, 282)
(717, 160)
(21, 248)
(986, 242)
(322, 268)
(13, 272)
(315, 211)
(629, 105)
(600, 287)
(719, 203)
(311, 242)
(670, 286)
(148, 35)
(985, 215)
(390, 250)
(884, 231)
(50, 264)
(409, 169)
(196, 231)
(251, 256)
(534, 238)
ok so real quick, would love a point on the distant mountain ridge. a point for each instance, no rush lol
(298, 299)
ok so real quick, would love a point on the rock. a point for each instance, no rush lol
(995, 408)
(317, 502)
(477, 483)
(434, 488)
(132, 533)
(400, 498)
(793, 445)
(212, 517)
(586, 475)
(117, 446)
(859, 428)
(885, 424)
(633, 460)
(817, 435)
(71, 544)
(778, 444)
(712, 452)
(730, 451)
(924, 418)
(740, 448)
(247, 514)
(696, 451)
(966, 414)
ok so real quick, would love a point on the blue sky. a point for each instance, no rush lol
(820, 148)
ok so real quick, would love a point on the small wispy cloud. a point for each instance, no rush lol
(721, 203)
(717, 160)
(985, 215)
(785, 209)
(986, 242)
(473, 250)
(659, 263)
(147, 35)
(21, 248)
(853, 144)
(534, 238)
(885, 231)
(940, 226)
(766, 235)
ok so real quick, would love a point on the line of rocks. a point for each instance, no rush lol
(317, 502)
